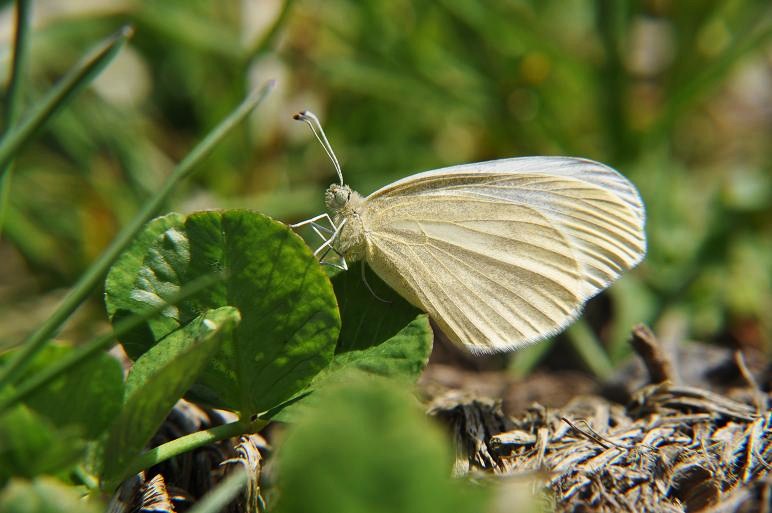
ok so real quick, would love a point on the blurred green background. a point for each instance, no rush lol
(676, 94)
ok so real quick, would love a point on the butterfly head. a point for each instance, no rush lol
(337, 196)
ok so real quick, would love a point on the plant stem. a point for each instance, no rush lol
(589, 348)
(190, 442)
(96, 271)
(218, 498)
(85, 478)
(13, 97)
(18, 64)
(77, 78)
(262, 45)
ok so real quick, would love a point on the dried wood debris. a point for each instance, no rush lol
(671, 449)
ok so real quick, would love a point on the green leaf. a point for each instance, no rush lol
(390, 339)
(30, 445)
(86, 397)
(368, 446)
(44, 495)
(368, 320)
(289, 316)
(402, 356)
(157, 380)
(123, 298)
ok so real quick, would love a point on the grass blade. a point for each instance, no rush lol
(18, 64)
(584, 342)
(219, 497)
(60, 95)
(97, 270)
(12, 102)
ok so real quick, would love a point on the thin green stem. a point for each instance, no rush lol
(190, 442)
(76, 79)
(18, 64)
(524, 361)
(5, 195)
(13, 97)
(97, 270)
(589, 348)
(263, 44)
(218, 498)
(85, 478)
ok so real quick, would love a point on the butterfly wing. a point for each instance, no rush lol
(504, 253)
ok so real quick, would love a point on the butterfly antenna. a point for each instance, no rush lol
(316, 127)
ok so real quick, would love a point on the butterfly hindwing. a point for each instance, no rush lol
(506, 252)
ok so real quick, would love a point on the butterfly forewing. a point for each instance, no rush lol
(506, 252)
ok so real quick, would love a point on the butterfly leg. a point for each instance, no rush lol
(324, 233)
(328, 236)
(313, 222)
(328, 242)
(318, 229)
(343, 266)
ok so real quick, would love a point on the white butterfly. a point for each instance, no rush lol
(500, 254)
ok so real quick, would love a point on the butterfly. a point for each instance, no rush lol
(500, 254)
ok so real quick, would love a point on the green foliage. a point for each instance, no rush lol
(86, 398)
(30, 445)
(381, 333)
(50, 431)
(369, 316)
(402, 356)
(120, 283)
(289, 318)
(368, 446)
(60, 95)
(158, 379)
(43, 495)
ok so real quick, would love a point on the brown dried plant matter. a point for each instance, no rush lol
(673, 448)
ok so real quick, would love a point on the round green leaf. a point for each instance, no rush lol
(86, 397)
(402, 356)
(126, 291)
(290, 320)
(369, 317)
(368, 446)
(31, 445)
(381, 334)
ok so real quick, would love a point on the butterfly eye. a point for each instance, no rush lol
(337, 197)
